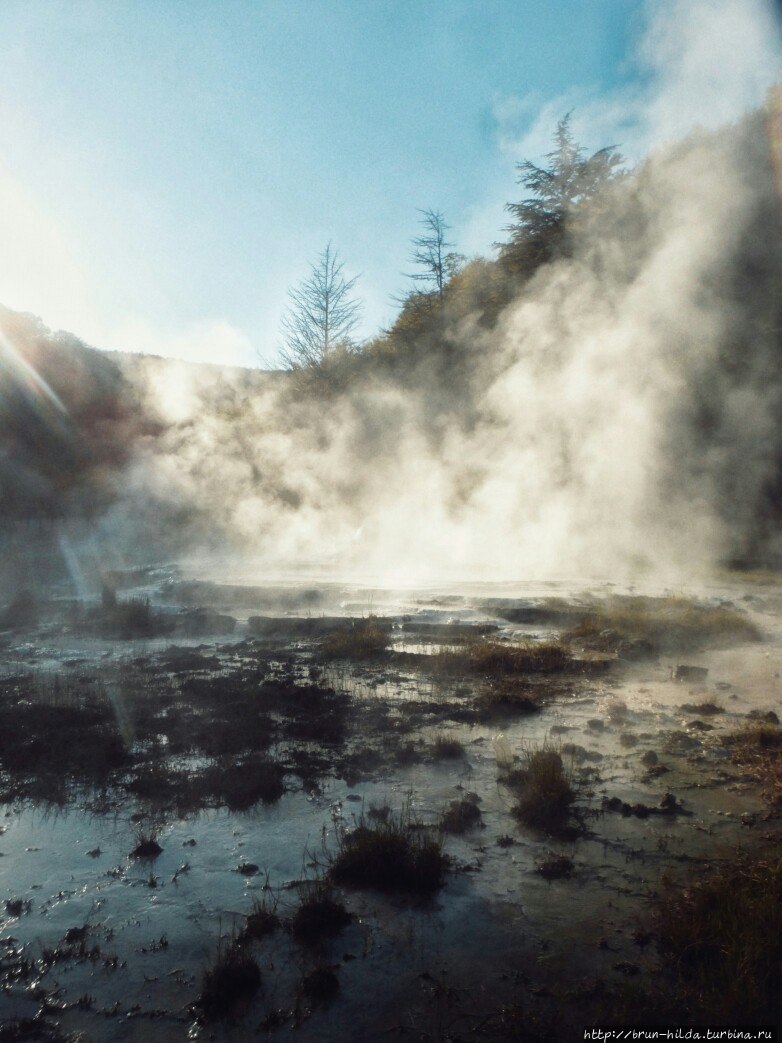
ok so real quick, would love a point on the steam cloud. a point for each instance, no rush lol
(622, 417)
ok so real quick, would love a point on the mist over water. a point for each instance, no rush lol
(621, 417)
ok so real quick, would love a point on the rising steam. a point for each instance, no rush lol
(622, 417)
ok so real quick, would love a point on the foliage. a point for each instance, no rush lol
(539, 226)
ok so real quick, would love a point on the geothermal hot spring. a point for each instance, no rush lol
(432, 695)
(187, 762)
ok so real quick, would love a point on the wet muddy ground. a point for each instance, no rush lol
(177, 756)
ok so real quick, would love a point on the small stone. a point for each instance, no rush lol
(684, 672)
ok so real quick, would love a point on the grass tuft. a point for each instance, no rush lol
(507, 697)
(242, 784)
(461, 816)
(363, 639)
(673, 624)
(234, 978)
(147, 846)
(445, 748)
(544, 788)
(319, 914)
(390, 853)
(495, 658)
(262, 921)
(758, 747)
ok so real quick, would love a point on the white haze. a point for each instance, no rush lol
(580, 460)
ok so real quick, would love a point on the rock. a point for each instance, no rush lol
(684, 672)
(700, 726)
(680, 742)
(669, 804)
(580, 754)
(656, 770)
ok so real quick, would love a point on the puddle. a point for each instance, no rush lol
(154, 927)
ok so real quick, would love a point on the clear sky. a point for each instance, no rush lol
(169, 167)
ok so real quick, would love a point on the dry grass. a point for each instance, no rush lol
(758, 747)
(390, 852)
(555, 867)
(494, 658)
(446, 748)
(319, 914)
(722, 938)
(506, 697)
(461, 816)
(673, 624)
(363, 639)
(262, 921)
(234, 979)
(544, 788)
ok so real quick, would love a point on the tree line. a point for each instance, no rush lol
(323, 312)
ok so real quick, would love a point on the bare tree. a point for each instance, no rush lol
(322, 315)
(432, 254)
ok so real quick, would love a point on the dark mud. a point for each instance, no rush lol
(356, 815)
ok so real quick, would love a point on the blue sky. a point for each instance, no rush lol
(168, 168)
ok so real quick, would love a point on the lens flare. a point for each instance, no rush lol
(73, 567)
(17, 373)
